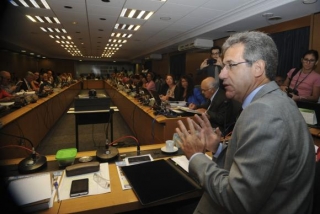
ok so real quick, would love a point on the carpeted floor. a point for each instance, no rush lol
(91, 137)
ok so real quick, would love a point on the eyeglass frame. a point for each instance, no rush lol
(229, 66)
(309, 60)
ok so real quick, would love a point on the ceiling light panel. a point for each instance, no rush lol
(136, 14)
(41, 4)
(119, 26)
(56, 30)
(44, 19)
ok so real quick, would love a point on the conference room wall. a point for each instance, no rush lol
(194, 59)
(58, 65)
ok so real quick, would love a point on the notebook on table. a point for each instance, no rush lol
(158, 180)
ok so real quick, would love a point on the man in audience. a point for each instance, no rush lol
(212, 65)
(218, 108)
(268, 165)
(5, 78)
(27, 82)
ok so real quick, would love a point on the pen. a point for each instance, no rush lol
(56, 185)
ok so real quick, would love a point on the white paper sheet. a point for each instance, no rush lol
(94, 187)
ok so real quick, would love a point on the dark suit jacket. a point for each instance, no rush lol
(268, 166)
(220, 111)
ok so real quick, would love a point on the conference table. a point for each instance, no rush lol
(34, 121)
(147, 127)
(118, 200)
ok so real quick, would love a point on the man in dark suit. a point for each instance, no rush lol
(218, 108)
(268, 166)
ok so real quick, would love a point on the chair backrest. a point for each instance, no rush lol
(316, 190)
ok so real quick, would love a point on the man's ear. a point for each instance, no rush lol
(259, 68)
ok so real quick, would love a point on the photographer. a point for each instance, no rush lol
(304, 84)
(213, 65)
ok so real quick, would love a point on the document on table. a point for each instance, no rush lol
(183, 162)
(123, 180)
(94, 187)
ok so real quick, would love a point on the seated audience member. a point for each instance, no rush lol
(5, 96)
(136, 83)
(218, 108)
(27, 82)
(212, 69)
(5, 82)
(304, 83)
(35, 84)
(150, 85)
(159, 82)
(279, 80)
(143, 80)
(189, 93)
(169, 91)
(268, 165)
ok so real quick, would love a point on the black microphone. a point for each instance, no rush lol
(30, 164)
(108, 152)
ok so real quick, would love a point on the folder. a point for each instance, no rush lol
(32, 193)
(158, 180)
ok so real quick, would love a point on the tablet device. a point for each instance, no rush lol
(138, 159)
(79, 187)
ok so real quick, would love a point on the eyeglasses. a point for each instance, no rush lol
(204, 90)
(215, 53)
(230, 65)
(309, 60)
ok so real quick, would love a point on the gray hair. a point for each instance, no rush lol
(257, 46)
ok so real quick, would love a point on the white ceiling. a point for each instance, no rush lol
(208, 19)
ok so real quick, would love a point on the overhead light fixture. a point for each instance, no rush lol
(31, 18)
(35, 4)
(135, 14)
(23, 51)
(309, 1)
(165, 18)
(39, 19)
(275, 18)
(23, 3)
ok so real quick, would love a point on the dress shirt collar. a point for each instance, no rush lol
(249, 98)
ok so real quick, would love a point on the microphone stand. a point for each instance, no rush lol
(32, 163)
(108, 152)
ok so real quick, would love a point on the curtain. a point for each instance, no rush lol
(291, 46)
(178, 65)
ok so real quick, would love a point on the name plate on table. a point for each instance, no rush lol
(309, 116)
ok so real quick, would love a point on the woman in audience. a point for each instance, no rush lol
(189, 93)
(143, 80)
(304, 84)
(169, 91)
(150, 85)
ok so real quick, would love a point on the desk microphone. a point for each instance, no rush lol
(30, 164)
(108, 152)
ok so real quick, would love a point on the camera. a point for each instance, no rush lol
(211, 61)
(292, 91)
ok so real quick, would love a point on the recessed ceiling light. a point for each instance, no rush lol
(23, 51)
(165, 18)
(274, 18)
(68, 7)
(309, 1)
